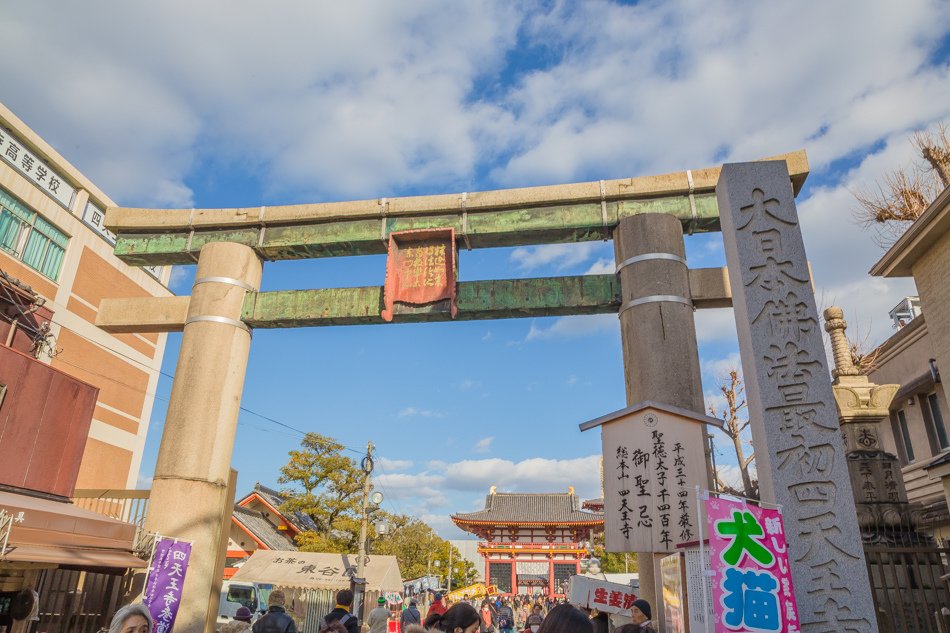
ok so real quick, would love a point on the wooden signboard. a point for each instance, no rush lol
(653, 462)
(420, 269)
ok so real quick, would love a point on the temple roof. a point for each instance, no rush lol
(274, 499)
(265, 531)
(558, 508)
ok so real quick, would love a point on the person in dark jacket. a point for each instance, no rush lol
(410, 615)
(341, 613)
(506, 618)
(276, 619)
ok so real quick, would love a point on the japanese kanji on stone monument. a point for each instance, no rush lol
(800, 454)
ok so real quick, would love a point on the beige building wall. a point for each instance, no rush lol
(125, 367)
(904, 360)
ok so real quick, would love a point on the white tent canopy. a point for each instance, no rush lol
(317, 570)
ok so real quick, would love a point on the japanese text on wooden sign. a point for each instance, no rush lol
(651, 469)
(420, 269)
(166, 576)
(752, 579)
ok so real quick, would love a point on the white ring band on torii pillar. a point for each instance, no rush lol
(649, 256)
(654, 299)
(225, 280)
(219, 319)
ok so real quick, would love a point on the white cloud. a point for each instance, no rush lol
(410, 412)
(715, 325)
(602, 266)
(719, 368)
(574, 326)
(432, 487)
(394, 464)
(143, 482)
(483, 445)
(560, 256)
(468, 384)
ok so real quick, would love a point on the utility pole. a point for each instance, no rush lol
(449, 590)
(367, 465)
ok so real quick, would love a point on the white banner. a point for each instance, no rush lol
(594, 593)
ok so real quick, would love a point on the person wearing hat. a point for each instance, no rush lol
(240, 623)
(276, 619)
(378, 618)
(410, 615)
(437, 606)
(641, 614)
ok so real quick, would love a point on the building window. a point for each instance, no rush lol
(936, 421)
(904, 434)
(28, 237)
(499, 574)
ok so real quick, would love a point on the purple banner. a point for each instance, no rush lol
(166, 577)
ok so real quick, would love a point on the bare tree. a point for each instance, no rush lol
(734, 425)
(904, 194)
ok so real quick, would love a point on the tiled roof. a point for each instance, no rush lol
(300, 520)
(264, 530)
(551, 508)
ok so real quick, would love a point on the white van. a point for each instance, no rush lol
(235, 595)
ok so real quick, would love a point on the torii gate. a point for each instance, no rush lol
(654, 293)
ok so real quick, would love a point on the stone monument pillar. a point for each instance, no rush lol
(799, 454)
(194, 461)
(658, 333)
(875, 475)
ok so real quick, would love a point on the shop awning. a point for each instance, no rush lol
(317, 570)
(58, 533)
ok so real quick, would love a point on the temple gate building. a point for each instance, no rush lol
(532, 543)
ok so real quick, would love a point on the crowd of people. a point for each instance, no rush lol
(515, 614)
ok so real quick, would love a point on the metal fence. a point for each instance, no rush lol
(907, 569)
(910, 591)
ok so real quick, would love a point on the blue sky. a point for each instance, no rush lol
(216, 104)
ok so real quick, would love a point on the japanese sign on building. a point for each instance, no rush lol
(420, 269)
(594, 593)
(752, 578)
(653, 462)
(42, 175)
(95, 217)
(799, 450)
(166, 577)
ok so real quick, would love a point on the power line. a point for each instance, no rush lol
(149, 368)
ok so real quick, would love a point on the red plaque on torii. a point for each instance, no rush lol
(420, 269)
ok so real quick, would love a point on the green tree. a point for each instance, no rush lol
(417, 547)
(326, 485)
(612, 562)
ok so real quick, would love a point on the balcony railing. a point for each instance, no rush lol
(130, 506)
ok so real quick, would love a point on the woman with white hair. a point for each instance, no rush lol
(133, 618)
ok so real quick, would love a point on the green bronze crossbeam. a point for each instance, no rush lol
(496, 299)
(514, 217)
(492, 299)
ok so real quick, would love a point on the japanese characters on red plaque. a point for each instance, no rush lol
(420, 269)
